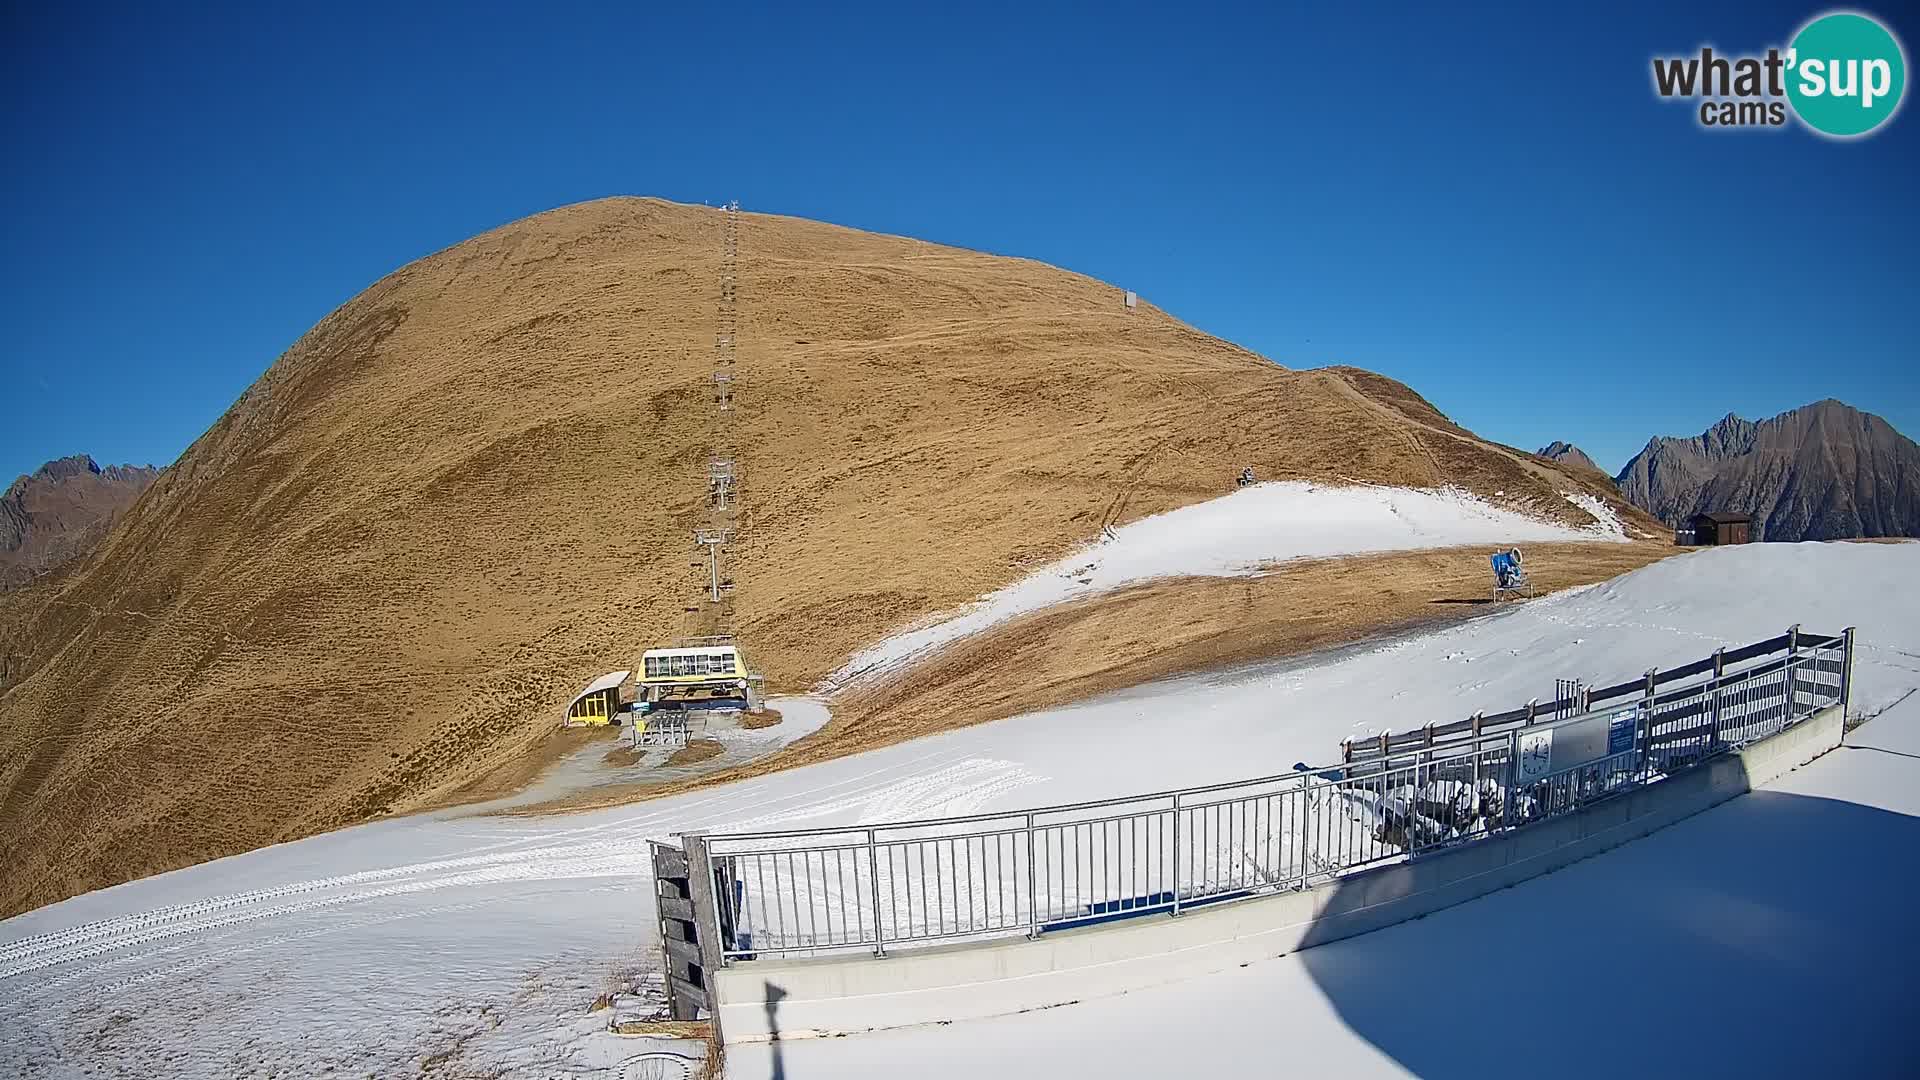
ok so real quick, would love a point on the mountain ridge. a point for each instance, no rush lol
(1823, 471)
(61, 511)
(1566, 453)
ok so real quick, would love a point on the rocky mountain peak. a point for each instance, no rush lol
(1567, 454)
(1822, 471)
(59, 511)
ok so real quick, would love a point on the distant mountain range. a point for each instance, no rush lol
(1565, 453)
(1824, 471)
(61, 511)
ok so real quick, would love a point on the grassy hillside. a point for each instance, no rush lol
(472, 488)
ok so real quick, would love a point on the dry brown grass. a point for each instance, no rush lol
(623, 755)
(514, 775)
(695, 752)
(382, 573)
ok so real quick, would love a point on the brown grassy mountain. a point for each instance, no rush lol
(60, 511)
(472, 488)
(1825, 471)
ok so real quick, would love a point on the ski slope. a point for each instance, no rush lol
(1246, 532)
(473, 945)
(1769, 936)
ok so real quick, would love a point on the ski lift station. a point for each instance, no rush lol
(706, 673)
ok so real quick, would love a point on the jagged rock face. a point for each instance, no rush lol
(61, 511)
(1565, 453)
(1825, 471)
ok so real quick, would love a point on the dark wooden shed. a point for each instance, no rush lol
(1722, 528)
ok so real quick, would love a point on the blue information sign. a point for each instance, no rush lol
(1620, 730)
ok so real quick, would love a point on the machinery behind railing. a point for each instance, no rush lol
(889, 886)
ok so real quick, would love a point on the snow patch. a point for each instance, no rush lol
(1251, 530)
(1604, 519)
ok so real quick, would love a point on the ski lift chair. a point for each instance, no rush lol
(1509, 576)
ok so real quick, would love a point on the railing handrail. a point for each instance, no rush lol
(980, 876)
(1463, 742)
(1753, 659)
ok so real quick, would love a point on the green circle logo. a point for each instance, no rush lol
(1845, 74)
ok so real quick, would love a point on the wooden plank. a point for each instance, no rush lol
(707, 930)
(1608, 693)
(684, 950)
(677, 929)
(673, 907)
(1508, 717)
(1758, 648)
(669, 862)
(1685, 671)
(688, 999)
(680, 969)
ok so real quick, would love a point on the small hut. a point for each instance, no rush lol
(1718, 528)
(599, 704)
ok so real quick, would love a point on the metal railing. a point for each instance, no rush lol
(957, 879)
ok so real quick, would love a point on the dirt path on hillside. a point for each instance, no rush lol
(1154, 631)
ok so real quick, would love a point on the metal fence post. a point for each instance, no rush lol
(1793, 673)
(1306, 788)
(873, 871)
(1175, 852)
(1478, 752)
(1646, 743)
(1513, 778)
(1846, 679)
(1719, 669)
(1033, 889)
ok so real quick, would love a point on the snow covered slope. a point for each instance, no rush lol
(1769, 936)
(368, 950)
(1242, 533)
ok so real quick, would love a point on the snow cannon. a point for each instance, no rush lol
(1509, 575)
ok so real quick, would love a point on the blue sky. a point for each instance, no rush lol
(1492, 207)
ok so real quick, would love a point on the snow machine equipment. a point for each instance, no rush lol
(1509, 576)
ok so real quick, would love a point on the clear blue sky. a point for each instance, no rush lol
(1492, 207)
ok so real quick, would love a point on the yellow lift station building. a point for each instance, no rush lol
(669, 676)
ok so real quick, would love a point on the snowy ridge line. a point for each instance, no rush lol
(1255, 530)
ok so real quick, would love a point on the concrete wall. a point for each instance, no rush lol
(861, 993)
